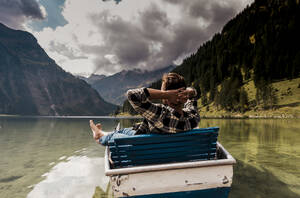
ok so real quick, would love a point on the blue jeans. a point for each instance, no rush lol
(126, 132)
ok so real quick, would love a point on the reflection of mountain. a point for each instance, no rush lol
(113, 88)
(32, 84)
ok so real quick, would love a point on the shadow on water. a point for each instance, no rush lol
(9, 179)
(250, 182)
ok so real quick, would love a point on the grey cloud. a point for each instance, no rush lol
(210, 10)
(222, 14)
(174, 1)
(94, 49)
(126, 41)
(31, 9)
(117, 1)
(198, 9)
(154, 23)
(186, 40)
(105, 67)
(121, 38)
(213, 11)
(132, 52)
(64, 50)
(132, 42)
(15, 12)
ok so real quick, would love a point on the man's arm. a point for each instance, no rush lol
(139, 100)
(172, 95)
(185, 96)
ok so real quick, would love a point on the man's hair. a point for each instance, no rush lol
(172, 81)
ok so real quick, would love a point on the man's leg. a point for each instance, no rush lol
(123, 133)
(127, 131)
(104, 137)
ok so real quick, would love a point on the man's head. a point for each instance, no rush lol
(172, 81)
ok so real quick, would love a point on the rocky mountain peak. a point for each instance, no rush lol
(32, 84)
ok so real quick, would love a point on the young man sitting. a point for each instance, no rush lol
(178, 112)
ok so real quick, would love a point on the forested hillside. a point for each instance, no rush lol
(260, 45)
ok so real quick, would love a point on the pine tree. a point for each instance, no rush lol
(266, 95)
(243, 101)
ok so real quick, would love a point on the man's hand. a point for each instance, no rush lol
(173, 96)
(180, 95)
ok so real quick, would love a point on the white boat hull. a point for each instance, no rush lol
(173, 180)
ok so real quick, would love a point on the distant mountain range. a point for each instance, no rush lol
(92, 78)
(113, 88)
(31, 83)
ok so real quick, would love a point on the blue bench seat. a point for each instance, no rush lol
(197, 144)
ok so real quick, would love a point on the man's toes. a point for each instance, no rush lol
(93, 126)
(91, 123)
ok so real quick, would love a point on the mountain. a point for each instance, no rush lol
(262, 42)
(31, 83)
(92, 78)
(113, 88)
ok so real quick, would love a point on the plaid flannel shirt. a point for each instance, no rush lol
(160, 118)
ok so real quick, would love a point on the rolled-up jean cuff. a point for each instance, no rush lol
(105, 139)
(126, 132)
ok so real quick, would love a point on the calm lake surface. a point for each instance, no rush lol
(57, 157)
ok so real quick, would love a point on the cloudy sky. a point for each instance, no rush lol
(107, 36)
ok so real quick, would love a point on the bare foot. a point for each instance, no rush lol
(97, 133)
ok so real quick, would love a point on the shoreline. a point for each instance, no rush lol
(221, 114)
(249, 117)
(202, 116)
(72, 117)
(267, 114)
(232, 116)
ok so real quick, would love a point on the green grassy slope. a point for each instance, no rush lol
(288, 105)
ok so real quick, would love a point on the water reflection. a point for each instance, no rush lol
(268, 147)
(76, 178)
(30, 147)
(251, 182)
(268, 154)
(125, 123)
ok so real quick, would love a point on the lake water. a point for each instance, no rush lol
(57, 157)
